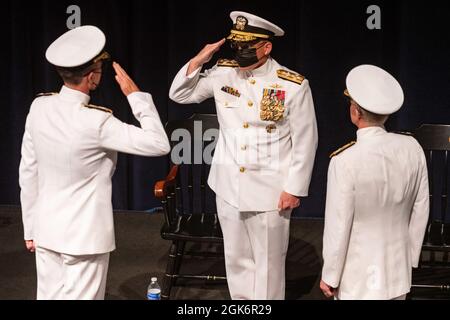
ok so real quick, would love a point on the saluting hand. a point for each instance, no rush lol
(204, 56)
(123, 79)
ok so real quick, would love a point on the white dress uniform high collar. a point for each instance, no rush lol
(71, 95)
(262, 71)
(370, 132)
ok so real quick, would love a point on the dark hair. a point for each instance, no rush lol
(74, 76)
(372, 117)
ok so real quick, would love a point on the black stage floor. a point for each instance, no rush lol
(141, 254)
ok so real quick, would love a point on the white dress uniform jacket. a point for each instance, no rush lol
(255, 160)
(376, 214)
(68, 158)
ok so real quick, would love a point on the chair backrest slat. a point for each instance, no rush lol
(444, 193)
(192, 190)
(431, 180)
(190, 187)
(435, 140)
(179, 195)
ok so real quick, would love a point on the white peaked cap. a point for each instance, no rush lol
(76, 47)
(248, 27)
(375, 90)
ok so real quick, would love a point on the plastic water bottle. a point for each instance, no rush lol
(154, 290)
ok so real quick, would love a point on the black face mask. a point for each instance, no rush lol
(246, 57)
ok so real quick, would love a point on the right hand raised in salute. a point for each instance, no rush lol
(126, 84)
(204, 56)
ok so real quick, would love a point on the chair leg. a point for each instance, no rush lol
(169, 276)
(179, 258)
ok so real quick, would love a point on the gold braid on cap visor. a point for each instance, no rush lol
(246, 36)
(347, 94)
(104, 56)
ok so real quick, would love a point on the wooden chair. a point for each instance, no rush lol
(184, 195)
(434, 263)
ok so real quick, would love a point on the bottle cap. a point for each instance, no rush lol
(154, 279)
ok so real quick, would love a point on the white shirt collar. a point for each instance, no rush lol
(370, 132)
(262, 70)
(73, 95)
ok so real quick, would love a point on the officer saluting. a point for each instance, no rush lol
(377, 198)
(264, 155)
(69, 154)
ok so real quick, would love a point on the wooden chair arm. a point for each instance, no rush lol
(161, 186)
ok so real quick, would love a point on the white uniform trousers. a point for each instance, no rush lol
(66, 277)
(255, 244)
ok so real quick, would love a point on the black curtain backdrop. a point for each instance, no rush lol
(153, 39)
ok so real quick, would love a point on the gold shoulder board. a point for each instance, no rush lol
(405, 133)
(340, 150)
(227, 63)
(46, 94)
(91, 106)
(290, 76)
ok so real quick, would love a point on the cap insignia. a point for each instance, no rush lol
(241, 23)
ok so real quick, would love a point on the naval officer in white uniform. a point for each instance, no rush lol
(377, 199)
(69, 155)
(265, 153)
